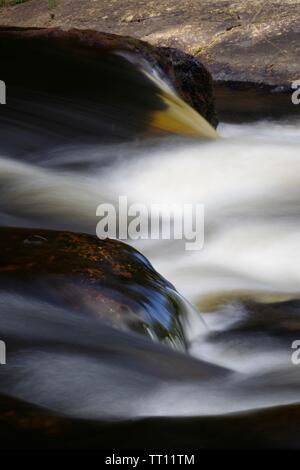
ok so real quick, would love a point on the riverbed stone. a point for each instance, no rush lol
(105, 279)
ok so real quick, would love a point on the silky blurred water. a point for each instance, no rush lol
(245, 281)
(63, 154)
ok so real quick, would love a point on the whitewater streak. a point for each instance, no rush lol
(249, 185)
(249, 182)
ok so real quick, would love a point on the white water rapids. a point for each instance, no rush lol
(249, 182)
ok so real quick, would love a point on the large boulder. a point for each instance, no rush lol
(92, 64)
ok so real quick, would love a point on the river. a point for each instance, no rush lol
(244, 283)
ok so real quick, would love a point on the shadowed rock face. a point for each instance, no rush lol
(24, 426)
(103, 278)
(83, 61)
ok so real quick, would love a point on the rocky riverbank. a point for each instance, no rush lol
(251, 47)
(239, 41)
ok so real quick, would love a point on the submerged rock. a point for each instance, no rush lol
(23, 426)
(106, 279)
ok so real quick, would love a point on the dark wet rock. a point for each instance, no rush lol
(246, 101)
(106, 279)
(190, 72)
(79, 60)
(23, 426)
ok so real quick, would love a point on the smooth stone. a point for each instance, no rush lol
(103, 278)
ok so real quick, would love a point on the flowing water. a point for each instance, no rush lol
(245, 282)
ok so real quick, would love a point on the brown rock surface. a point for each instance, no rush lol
(253, 41)
(103, 278)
